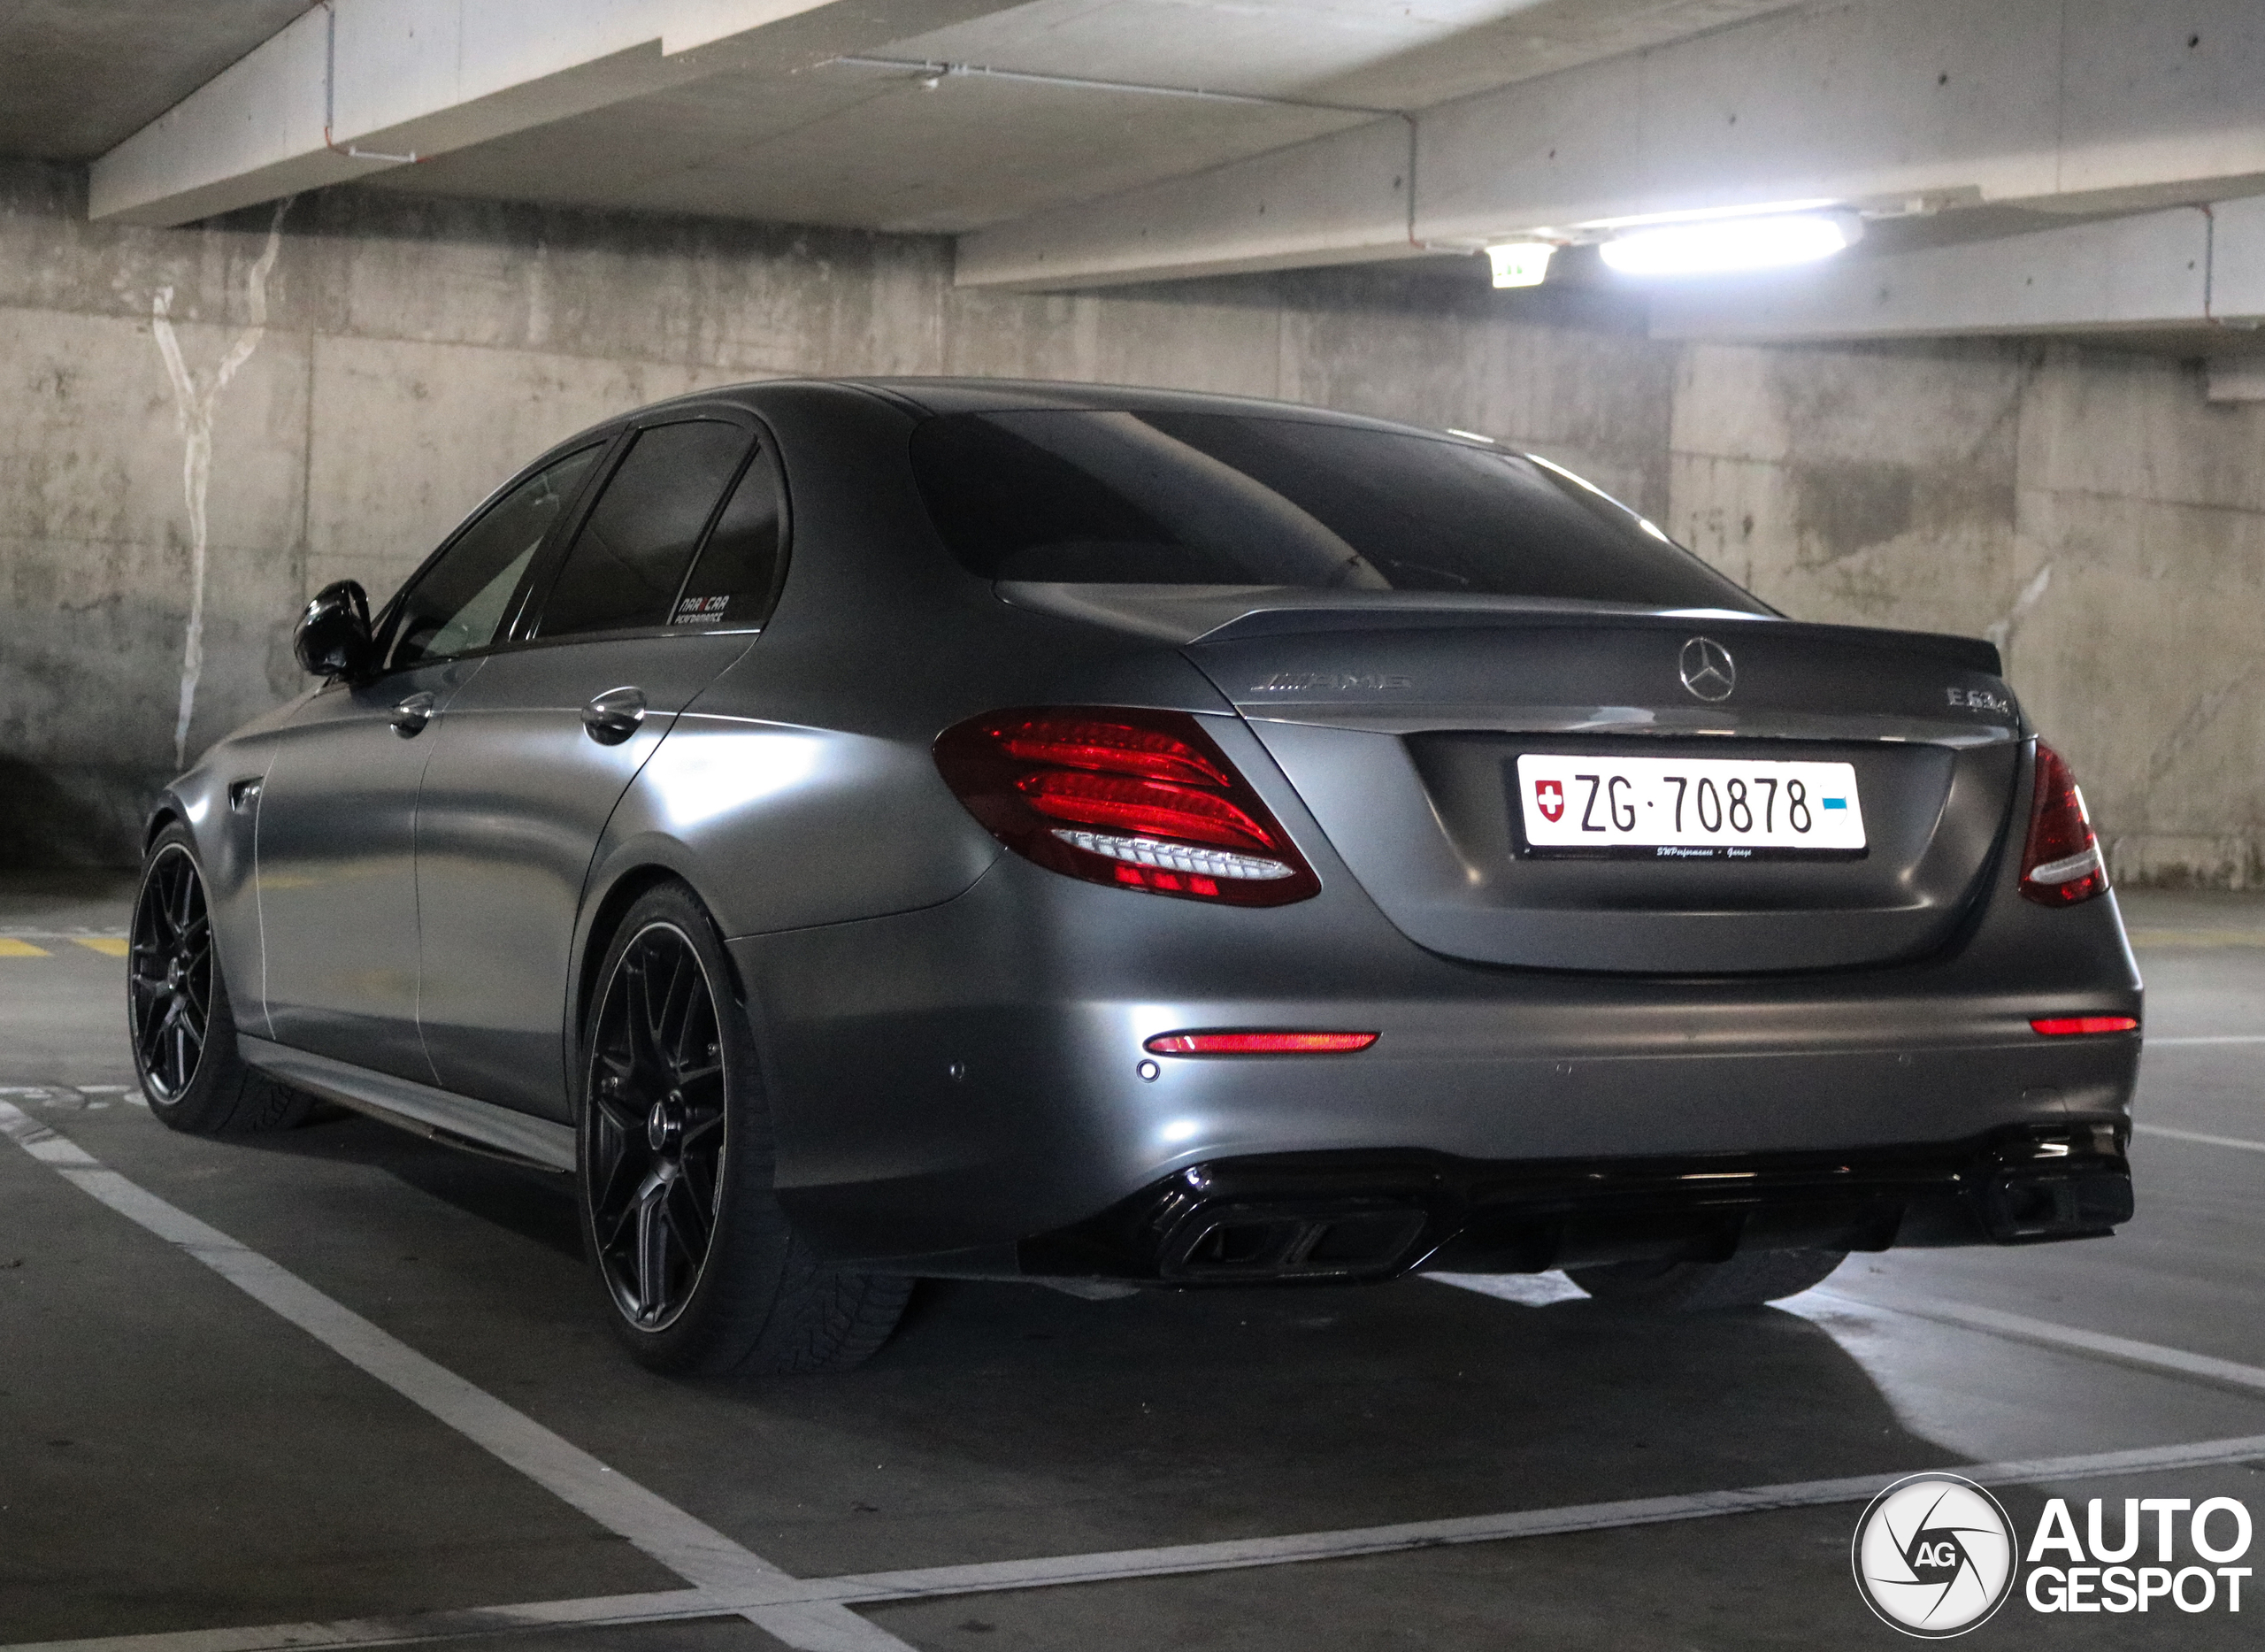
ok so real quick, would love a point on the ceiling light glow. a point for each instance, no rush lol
(1721, 245)
(1520, 263)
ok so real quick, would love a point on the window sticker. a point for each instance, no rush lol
(701, 611)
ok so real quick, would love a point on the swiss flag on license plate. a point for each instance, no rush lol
(1549, 797)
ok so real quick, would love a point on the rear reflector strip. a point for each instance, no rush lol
(1258, 1043)
(2068, 871)
(1148, 851)
(2063, 1025)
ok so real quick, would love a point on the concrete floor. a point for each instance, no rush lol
(175, 1456)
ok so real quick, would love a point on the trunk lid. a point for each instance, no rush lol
(1400, 724)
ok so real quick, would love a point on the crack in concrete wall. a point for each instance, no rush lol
(2001, 630)
(193, 411)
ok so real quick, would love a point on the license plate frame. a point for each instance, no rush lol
(1588, 825)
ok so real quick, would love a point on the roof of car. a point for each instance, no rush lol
(987, 396)
(924, 398)
(935, 396)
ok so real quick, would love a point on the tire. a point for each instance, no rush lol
(1747, 1280)
(701, 1270)
(179, 1019)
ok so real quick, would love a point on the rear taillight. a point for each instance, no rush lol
(1139, 799)
(2062, 863)
(2080, 1025)
(1258, 1043)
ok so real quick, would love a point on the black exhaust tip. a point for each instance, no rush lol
(1221, 1243)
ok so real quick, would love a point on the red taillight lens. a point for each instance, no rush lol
(1258, 1043)
(2067, 1026)
(1146, 808)
(1139, 799)
(2062, 863)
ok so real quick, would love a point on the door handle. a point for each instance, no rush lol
(410, 716)
(612, 717)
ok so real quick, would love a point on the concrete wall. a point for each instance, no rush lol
(393, 360)
(2090, 511)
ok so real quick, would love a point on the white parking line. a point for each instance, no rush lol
(664, 1606)
(689, 1548)
(2044, 1333)
(2196, 1135)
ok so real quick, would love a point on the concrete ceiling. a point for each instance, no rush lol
(2027, 166)
(873, 147)
(77, 77)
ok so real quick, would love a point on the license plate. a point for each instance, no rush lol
(1687, 808)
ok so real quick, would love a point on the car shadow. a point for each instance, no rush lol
(535, 1205)
(1009, 1418)
(1238, 1412)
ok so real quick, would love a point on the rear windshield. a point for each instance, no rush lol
(1151, 498)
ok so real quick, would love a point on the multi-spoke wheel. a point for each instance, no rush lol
(169, 973)
(703, 1272)
(177, 1009)
(657, 1126)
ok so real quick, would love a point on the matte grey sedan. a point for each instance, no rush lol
(870, 831)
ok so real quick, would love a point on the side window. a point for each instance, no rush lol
(458, 603)
(735, 582)
(631, 555)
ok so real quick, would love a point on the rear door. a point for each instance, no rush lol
(670, 572)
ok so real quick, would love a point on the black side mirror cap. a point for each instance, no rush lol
(332, 637)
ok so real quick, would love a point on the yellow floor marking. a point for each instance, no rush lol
(12, 947)
(2198, 937)
(109, 946)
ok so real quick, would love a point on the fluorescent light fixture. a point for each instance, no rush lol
(1704, 214)
(1715, 246)
(1520, 263)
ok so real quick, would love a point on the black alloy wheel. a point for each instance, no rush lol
(703, 1271)
(169, 974)
(659, 1130)
(177, 1011)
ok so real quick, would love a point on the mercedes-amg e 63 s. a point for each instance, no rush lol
(868, 831)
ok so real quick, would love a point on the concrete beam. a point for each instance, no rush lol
(354, 86)
(2080, 104)
(2236, 379)
(1340, 199)
(2184, 268)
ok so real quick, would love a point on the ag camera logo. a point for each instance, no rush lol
(1934, 1555)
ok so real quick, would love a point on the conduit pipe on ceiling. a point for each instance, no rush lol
(932, 74)
(330, 95)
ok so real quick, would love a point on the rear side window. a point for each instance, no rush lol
(736, 580)
(1155, 498)
(458, 603)
(627, 562)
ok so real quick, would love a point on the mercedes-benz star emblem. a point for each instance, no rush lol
(1707, 670)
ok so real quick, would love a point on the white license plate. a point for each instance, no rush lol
(1687, 808)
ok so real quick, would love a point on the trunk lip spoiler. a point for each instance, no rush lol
(1188, 616)
(1453, 718)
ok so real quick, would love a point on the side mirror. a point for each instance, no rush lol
(332, 637)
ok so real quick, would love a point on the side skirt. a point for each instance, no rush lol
(456, 1121)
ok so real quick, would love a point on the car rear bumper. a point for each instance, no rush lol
(955, 1089)
(1353, 1217)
